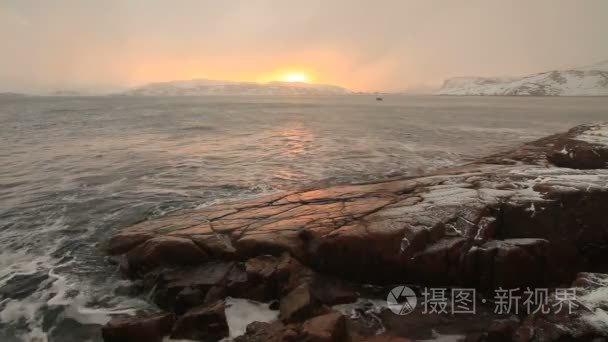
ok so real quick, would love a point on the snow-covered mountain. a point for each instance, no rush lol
(586, 81)
(214, 87)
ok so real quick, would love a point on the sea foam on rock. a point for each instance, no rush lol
(532, 217)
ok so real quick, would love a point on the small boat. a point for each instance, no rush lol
(378, 99)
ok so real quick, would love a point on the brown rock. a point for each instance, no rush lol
(268, 332)
(262, 282)
(502, 330)
(332, 290)
(339, 252)
(578, 155)
(237, 280)
(262, 267)
(206, 322)
(291, 273)
(188, 298)
(437, 263)
(125, 241)
(493, 264)
(298, 304)
(330, 327)
(216, 245)
(476, 337)
(271, 240)
(165, 250)
(139, 328)
(204, 275)
(180, 289)
(523, 334)
(215, 293)
(385, 338)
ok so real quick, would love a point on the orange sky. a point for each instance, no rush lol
(326, 68)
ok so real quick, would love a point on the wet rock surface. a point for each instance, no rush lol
(205, 322)
(325, 328)
(268, 332)
(149, 327)
(533, 217)
(298, 304)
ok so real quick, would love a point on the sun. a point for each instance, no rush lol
(294, 76)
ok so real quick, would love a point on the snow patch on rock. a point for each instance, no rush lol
(596, 134)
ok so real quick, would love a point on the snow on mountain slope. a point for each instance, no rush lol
(586, 81)
(215, 87)
(601, 66)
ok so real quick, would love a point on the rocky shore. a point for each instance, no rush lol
(325, 259)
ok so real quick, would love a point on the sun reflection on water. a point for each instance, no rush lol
(295, 140)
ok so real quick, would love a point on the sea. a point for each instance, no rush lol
(75, 169)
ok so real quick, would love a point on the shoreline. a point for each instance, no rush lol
(538, 211)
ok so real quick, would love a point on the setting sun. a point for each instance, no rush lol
(294, 77)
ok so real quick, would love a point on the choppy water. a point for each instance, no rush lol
(74, 169)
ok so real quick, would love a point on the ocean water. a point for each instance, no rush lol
(72, 170)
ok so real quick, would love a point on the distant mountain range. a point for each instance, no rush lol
(586, 81)
(8, 95)
(214, 87)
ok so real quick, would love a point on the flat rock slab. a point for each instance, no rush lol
(455, 226)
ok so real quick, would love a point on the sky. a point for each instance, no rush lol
(364, 45)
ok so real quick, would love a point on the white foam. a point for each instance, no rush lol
(35, 335)
(598, 319)
(241, 312)
(374, 306)
(14, 310)
(445, 338)
(57, 294)
(596, 301)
